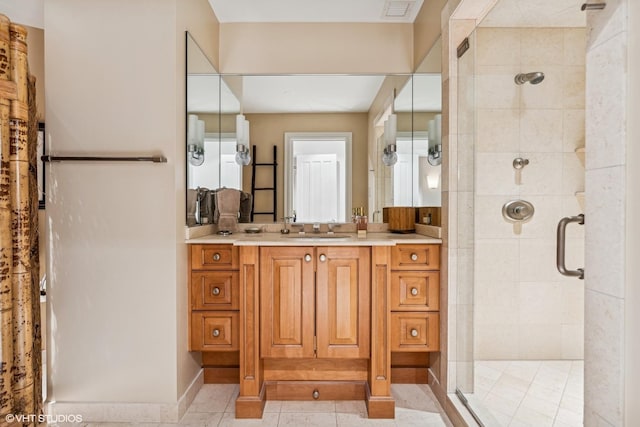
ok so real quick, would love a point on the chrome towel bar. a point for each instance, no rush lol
(154, 159)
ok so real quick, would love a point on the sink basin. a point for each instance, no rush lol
(315, 236)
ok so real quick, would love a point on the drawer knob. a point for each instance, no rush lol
(323, 258)
(216, 257)
(216, 291)
(315, 394)
(216, 332)
(414, 291)
(414, 257)
(414, 333)
(307, 258)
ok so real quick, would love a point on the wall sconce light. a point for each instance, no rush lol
(433, 180)
(435, 141)
(195, 140)
(389, 156)
(243, 157)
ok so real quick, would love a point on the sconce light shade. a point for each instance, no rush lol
(195, 140)
(389, 155)
(243, 157)
(433, 180)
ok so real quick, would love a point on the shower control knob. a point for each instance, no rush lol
(414, 291)
(216, 333)
(216, 257)
(414, 257)
(414, 333)
(519, 162)
(216, 291)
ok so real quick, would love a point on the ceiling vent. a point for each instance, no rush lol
(397, 8)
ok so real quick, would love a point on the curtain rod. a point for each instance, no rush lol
(154, 159)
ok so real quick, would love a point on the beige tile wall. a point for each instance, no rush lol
(524, 309)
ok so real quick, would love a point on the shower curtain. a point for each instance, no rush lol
(20, 340)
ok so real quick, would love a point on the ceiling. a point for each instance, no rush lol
(315, 10)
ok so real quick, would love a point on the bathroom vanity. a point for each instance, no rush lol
(314, 318)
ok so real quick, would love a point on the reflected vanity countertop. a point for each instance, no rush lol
(308, 239)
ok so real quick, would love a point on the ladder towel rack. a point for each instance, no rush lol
(274, 166)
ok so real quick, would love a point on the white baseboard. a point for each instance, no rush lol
(122, 412)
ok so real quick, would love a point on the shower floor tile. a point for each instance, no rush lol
(530, 393)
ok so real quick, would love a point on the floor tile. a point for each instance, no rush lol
(297, 419)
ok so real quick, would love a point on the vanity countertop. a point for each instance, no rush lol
(294, 239)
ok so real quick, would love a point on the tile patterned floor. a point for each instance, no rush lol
(215, 405)
(531, 393)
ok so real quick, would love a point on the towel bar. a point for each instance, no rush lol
(154, 159)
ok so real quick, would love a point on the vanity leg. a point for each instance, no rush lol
(380, 403)
(251, 400)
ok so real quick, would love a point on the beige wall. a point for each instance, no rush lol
(117, 266)
(263, 48)
(426, 29)
(268, 130)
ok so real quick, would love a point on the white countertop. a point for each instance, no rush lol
(294, 239)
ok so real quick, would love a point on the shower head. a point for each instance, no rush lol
(533, 78)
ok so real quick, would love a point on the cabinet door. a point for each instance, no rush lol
(343, 303)
(287, 301)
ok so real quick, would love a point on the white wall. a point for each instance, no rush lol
(117, 266)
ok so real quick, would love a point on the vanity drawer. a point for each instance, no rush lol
(415, 290)
(415, 257)
(214, 331)
(415, 331)
(214, 290)
(214, 257)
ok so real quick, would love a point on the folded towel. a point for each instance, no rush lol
(245, 207)
(228, 206)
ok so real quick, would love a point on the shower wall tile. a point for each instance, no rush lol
(545, 219)
(541, 47)
(604, 356)
(496, 89)
(573, 340)
(495, 294)
(540, 341)
(465, 163)
(544, 95)
(605, 227)
(538, 260)
(495, 174)
(540, 303)
(498, 130)
(465, 222)
(496, 260)
(464, 276)
(540, 130)
(573, 174)
(543, 174)
(573, 92)
(575, 45)
(573, 130)
(606, 118)
(498, 46)
(573, 302)
(496, 341)
(489, 222)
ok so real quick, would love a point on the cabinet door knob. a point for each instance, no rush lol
(216, 257)
(216, 332)
(414, 291)
(414, 333)
(414, 257)
(323, 258)
(216, 291)
(307, 258)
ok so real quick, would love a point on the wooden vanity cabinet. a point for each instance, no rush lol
(315, 302)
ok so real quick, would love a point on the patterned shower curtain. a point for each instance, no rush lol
(20, 340)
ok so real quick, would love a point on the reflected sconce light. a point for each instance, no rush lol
(195, 140)
(433, 180)
(243, 157)
(435, 141)
(389, 155)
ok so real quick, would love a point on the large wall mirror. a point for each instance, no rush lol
(327, 135)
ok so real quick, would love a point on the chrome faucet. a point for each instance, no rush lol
(316, 227)
(331, 225)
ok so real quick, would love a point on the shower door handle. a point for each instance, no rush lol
(561, 240)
